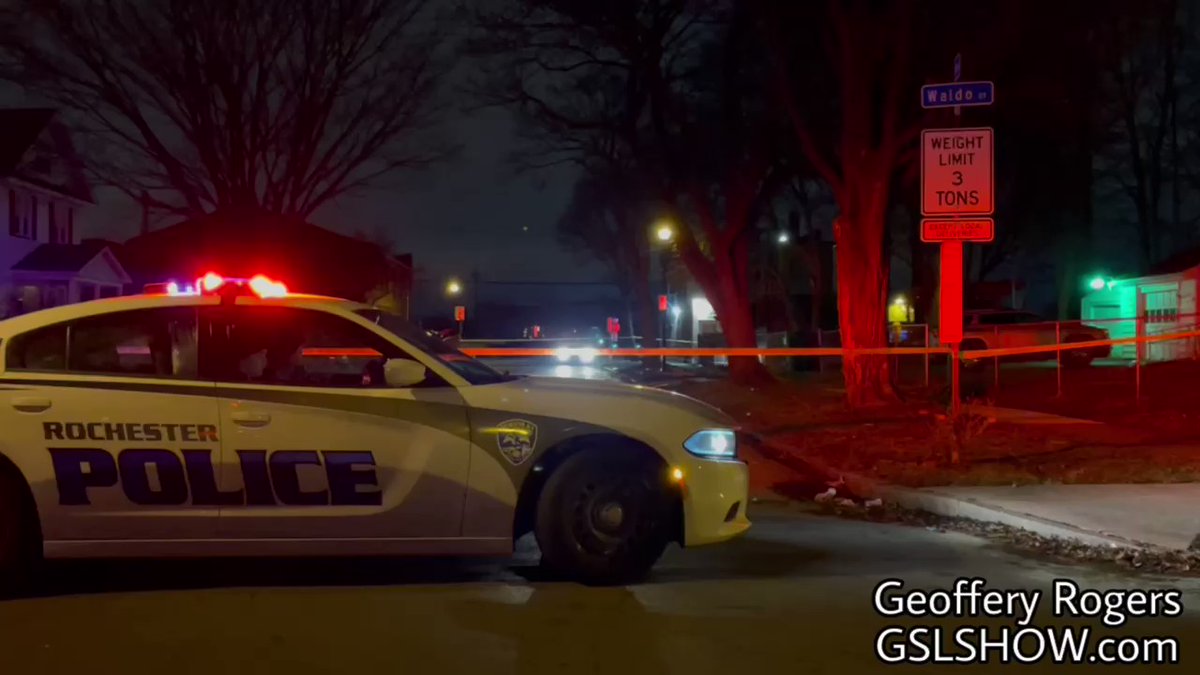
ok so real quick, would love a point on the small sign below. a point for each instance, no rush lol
(460, 313)
(937, 230)
(952, 94)
(662, 303)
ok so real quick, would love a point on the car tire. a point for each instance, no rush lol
(604, 517)
(20, 550)
(1076, 358)
(968, 345)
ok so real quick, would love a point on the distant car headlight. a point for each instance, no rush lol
(562, 354)
(720, 443)
(587, 355)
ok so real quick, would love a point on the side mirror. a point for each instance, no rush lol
(403, 372)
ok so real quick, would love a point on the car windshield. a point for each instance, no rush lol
(468, 368)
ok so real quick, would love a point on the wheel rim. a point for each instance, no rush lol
(612, 515)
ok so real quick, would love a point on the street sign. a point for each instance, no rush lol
(460, 313)
(951, 94)
(956, 172)
(950, 309)
(937, 230)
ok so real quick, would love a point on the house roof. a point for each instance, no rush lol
(23, 129)
(307, 257)
(22, 126)
(1184, 260)
(59, 257)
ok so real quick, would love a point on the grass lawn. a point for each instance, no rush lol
(806, 424)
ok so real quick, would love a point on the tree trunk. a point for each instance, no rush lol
(862, 282)
(737, 323)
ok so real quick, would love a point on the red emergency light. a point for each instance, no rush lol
(214, 284)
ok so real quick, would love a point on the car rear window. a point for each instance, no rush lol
(41, 349)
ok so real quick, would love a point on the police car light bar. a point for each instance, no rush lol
(213, 283)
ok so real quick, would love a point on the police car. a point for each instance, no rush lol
(234, 418)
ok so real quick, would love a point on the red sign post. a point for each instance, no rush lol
(460, 315)
(957, 186)
(951, 314)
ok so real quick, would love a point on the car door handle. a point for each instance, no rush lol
(250, 419)
(31, 405)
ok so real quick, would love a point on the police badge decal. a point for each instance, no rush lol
(516, 440)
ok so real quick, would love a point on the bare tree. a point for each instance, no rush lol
(606, 220)
(667, 87)
(1145, 158)
(868, 54)
(235, 105)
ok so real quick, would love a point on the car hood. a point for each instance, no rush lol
(612, 405)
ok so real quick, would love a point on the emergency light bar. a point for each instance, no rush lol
(214, 284)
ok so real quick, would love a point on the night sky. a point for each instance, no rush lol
(466, 213)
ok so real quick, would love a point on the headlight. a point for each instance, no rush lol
(562, 354)
(587, 355)
(712, 443)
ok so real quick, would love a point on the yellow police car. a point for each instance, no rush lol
(233, 418)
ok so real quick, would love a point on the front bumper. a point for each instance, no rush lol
(715, 496)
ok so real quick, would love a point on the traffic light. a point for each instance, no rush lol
(614, 327)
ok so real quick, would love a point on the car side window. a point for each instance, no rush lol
(149, 342)
(293, 347)
(44, 349)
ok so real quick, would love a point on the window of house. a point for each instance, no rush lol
(14, 224)
(52, 224)
(21, 222)
(87, 292)
(55, 294)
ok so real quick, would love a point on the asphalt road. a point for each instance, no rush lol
(547, 367)
(794, 596)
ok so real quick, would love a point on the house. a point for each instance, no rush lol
(307, 258)
(42, 194)
(1165, 300)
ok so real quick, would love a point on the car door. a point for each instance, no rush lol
(106, 416)
(317, 444)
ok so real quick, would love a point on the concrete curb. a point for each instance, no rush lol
(929, 499)
(932, 501)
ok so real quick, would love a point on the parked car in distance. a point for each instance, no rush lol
(1006, 329)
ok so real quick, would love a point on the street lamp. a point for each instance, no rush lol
(664, 233)
(783, 237)
(453, 287)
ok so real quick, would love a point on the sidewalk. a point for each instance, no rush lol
(1143, 515)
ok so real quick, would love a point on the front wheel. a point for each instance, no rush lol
(19, 542)
(604, 517)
